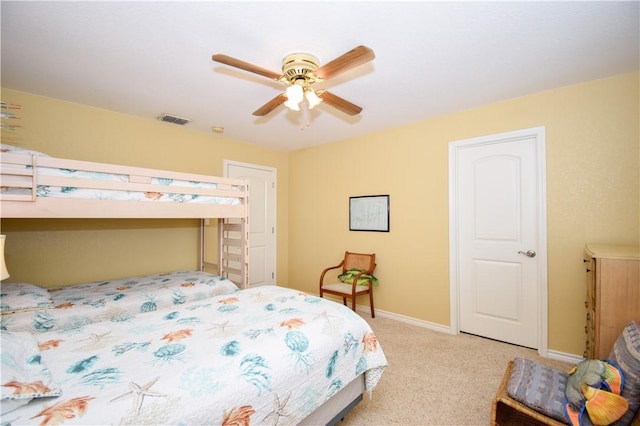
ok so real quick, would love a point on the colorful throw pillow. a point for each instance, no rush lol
(23, 297)
(593, 393)
(24, 375)
(348, 276)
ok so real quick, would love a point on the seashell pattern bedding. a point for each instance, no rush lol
(265, 355)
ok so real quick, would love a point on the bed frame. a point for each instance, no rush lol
(21, 171)
(338, 406)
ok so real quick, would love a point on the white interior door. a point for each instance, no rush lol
(262, 219)
(499, 237)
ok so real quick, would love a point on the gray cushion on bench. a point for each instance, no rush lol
(539, 387)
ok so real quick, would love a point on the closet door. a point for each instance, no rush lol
(262, 219)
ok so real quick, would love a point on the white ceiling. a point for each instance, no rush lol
(146, 58)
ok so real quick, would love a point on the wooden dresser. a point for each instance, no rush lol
(613, 294)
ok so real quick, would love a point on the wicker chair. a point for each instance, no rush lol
(365, 263)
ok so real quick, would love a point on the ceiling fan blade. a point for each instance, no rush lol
(358, 56)
(237, 63)
(339, 103)
(271, 105)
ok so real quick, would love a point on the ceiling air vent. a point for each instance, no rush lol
(173, 119)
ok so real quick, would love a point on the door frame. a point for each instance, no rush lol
(455, 148)
(225, 166)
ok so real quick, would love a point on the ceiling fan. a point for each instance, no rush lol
(299, 72)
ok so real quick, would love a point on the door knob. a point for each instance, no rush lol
(528, 253)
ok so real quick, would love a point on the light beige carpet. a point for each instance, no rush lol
(435, 378)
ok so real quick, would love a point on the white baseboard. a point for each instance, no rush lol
(362, 309)
(403, 318)
(563, 356)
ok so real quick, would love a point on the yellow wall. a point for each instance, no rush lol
(592, 147)
(42, 251)
(593, 189)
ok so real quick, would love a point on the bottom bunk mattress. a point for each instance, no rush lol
(266, 355)
(26, 307)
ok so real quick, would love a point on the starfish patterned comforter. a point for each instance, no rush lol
(68, 308)
(266, 355)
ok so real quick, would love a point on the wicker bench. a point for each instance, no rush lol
(505, 410)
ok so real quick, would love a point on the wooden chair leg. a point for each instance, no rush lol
(353, 303)
(373, 314)
(344, 301)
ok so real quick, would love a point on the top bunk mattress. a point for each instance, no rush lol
(30, 308)
(29, 175)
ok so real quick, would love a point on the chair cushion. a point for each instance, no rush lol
(364, 279)
(342, 288)
(626, 355)
(539, 387)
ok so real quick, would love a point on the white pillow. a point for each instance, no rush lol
(23, 297)
(24, 375)
(17, 150)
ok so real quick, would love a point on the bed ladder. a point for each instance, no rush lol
(233, 250)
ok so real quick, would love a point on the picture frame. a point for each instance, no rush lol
(369, 213)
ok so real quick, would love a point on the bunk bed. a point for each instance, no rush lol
(35, 185)
(265, 355)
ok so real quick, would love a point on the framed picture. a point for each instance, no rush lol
(369, 213)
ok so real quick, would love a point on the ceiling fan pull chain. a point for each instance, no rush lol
(305, 113)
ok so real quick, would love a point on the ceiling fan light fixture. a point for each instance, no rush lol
(312, 98)
(295, 95)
